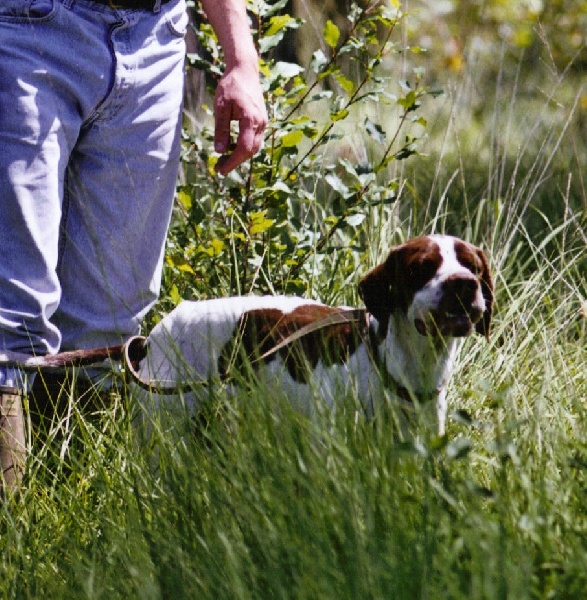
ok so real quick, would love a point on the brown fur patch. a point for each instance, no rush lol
(392, 285)
(260, 330)
(474, 259)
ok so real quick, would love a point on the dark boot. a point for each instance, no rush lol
(50, 398)
(12, 439)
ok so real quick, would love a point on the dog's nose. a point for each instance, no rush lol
(462, 289)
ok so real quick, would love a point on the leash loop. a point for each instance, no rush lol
(134, 351)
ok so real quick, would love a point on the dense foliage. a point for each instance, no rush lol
(268, 226)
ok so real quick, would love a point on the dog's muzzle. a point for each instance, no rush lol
(460, 307)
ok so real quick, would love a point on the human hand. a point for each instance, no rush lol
(238, 98)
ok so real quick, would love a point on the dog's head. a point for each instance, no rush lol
(441, 283)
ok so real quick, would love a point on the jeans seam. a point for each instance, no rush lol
(66, 202)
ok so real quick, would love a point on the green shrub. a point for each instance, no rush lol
(303, 200)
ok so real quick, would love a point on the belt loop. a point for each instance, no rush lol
(157, 6)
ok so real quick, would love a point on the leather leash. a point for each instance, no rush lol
(352, 315)
(50, 362)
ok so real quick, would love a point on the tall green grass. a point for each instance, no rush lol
(263, 503)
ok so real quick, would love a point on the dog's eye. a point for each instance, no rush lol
(474, 266)
(422, 271)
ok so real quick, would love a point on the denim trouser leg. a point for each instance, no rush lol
(90, 106)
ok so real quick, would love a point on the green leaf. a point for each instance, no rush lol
(291, 139)
(216, 246)
(318, 61)
(279, 186)
(286, 70)
(174, 294)
(367, 179)
(341, 114)
(213, 249)
(405, 152)
(195, 60)
(197, 213)
(375, 131)
(336, 183)
(259, 222)
(349, 168)
(346, 84)
(184, 198)
(325, 95)
(277, 26)
(278, 23)
(267, 9)
(331, 34)
(409, 101)
(355, 220)
(181, 264)
(268, 42)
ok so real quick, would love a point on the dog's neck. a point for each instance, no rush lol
(420, 364)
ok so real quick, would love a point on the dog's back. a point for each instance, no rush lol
(188, 344)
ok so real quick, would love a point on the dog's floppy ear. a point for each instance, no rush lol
(376, 287)
(374, 290)
(484, 325)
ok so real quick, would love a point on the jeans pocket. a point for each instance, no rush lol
(27, 11)
(177, 19)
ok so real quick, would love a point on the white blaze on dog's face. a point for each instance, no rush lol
(439, 283)
(451, 303)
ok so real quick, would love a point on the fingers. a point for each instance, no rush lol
(222, 118)
(249, 142)
(238, 98)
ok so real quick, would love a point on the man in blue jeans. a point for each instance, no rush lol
(90, 123)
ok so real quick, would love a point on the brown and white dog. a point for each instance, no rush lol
(428, 293)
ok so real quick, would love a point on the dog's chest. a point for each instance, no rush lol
(419, 363)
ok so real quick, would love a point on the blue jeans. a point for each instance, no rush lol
(90, 125)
